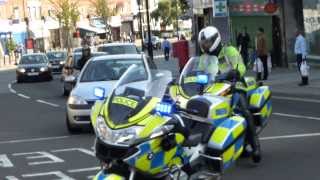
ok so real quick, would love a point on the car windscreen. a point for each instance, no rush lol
(33, 59)
(114, 50)
(57, 55)
(109, 70)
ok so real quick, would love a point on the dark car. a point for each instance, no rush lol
(71, 70)
(118, 48)
(57, 60)
(34, 66)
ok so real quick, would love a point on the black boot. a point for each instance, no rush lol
(259, 76)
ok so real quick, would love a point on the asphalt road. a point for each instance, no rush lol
(34, 142)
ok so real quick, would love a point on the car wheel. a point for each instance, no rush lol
(19, 80)
(71, 129)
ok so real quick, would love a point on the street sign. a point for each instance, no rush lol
(220, 8)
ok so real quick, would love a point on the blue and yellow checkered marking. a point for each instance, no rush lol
(232, 153)
(259, 97)
(102, 176)
(153, 160)
(226, 132)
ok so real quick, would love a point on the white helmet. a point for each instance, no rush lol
(209, 39)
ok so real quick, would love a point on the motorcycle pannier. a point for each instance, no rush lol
(260, 104)
(226, 143)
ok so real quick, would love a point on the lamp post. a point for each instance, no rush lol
(177, 19)
(150, 48)
(140, 24)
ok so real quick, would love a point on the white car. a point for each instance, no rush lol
(103, 71)
(118, 48)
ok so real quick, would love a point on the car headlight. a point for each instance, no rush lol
(22, 70)
(76, 100)
(43, 69)
(124, 137)
(62, 62)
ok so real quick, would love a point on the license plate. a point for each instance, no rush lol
(55, 66)
(33, 74)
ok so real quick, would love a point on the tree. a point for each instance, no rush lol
(66, 11)
(102, 10)
(169, 10)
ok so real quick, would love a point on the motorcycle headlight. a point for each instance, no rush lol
(76, 100)
(62, 62)
(120, 137)
(43, 69)
(22, 70)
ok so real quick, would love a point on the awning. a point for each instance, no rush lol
(91, 29)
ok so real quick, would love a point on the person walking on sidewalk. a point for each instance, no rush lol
(166, 46)
(300, 50)
(262, 52)
(243, 41)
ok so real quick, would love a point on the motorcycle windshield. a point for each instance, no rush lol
(134, 90)
(198, 74)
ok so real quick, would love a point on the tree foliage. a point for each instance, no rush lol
(66, 11)
(102, 9)
(168, 11)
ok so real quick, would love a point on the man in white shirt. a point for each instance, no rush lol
(300, 49)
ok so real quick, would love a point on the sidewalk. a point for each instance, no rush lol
(281, 80)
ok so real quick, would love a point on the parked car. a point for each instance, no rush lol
(71, 71)
(33, 66)
(118, 48)
(57, 60)
(102, 72)
(155, 40)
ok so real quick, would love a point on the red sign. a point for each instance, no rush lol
(29, 44)
(271, 8)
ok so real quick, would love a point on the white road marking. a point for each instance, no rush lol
(84, 169)
(85, 151)
(11, 89)
(40, 155)
(47, 103)
(294, 136)
(158, 57)
(33, 140)
(23, 96)
(58, 174)
(11, 178)
(297, 116)
(5, 162)
(90, 177)
(296, 99)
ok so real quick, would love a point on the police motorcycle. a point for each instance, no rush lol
(258, 96)
(136, 136)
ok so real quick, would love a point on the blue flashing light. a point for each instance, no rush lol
(99, 93)
(164, 108)
(202, 79)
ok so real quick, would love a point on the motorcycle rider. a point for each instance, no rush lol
(230, 63)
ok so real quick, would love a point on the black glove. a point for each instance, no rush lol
(233, 75)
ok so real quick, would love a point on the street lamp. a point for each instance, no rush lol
(150, 48)
(140, 24)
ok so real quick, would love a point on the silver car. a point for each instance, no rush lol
(103, 71)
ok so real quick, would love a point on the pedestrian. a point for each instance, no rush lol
(243, 41)
(166, 46)
(86, 55)
(300, 50)
(262, 52)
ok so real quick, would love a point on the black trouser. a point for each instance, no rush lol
(264, 60)
(166, 53)
(245, 56)
(251, 135)
(304, 80)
